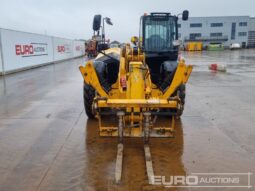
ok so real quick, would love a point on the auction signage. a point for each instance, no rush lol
(65, 48)
(62, 48)
(1, 63)
(32, 49)
(78, 48)
(24, 50)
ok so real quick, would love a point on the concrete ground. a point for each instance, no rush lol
(47, 142)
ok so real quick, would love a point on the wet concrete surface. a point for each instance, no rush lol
(47, 142)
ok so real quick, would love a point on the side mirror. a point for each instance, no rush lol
(185, 15)
(97, 22)
(108, 21)
(102, 46)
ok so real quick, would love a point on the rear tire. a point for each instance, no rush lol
(88, 98)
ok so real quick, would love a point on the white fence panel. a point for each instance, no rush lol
(1, 59)
(63, 48)
(24, 50)
(78, 48)
(1, 63)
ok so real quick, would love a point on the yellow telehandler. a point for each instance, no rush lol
(137, 84)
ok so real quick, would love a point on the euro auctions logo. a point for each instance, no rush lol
(206, 180)
(78, 48)
(32, 49)
(61, 48)
(64, 48)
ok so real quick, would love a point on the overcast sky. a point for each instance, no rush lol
(73, 18)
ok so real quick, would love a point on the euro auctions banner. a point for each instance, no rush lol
(78, 48)
(23, 50)
(63, 48)
(1, 64)
(32, 49)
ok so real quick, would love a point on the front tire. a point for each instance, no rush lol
(88, 98)
(181, 91)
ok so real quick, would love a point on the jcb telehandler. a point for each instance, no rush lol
(137, 84)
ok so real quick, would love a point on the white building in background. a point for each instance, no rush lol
(251, 33)
(225, 30)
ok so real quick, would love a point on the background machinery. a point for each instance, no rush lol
(91, 48)
(137, 84)
(97, 38)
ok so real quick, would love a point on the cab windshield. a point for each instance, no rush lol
(158, 33)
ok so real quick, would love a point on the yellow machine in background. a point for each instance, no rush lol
(137, 84)
(194, 46)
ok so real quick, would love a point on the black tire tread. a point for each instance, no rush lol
(182, 95)
(88, 98)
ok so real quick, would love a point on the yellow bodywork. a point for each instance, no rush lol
(138, 96)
